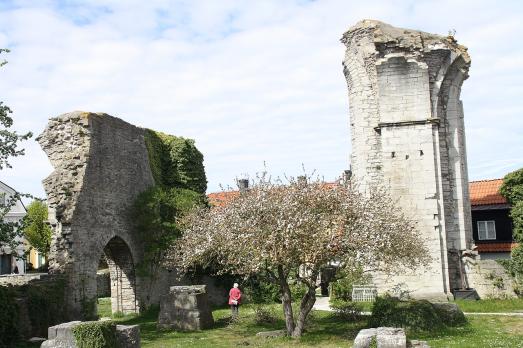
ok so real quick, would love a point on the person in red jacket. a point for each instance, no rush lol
(235, 296)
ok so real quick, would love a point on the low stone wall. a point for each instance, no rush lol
(21, 279)
(490, 279)
(39, 299)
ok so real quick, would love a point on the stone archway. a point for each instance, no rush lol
(122, 275)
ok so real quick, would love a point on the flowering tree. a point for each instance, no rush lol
(290, 231)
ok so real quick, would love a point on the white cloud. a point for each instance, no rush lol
(250, 81)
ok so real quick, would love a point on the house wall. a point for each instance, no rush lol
(502, 220)
(16, 213)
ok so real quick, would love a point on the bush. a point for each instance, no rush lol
(96, 334)
(415, 315)
(48, 301)
(265, 315)
(8, 317)
(341, 289)
(298, 290)
(257, 290)
(346, 310)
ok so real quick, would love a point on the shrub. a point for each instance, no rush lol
(257, 290)
(341, 289)
(96, 334)
(346, 310)
(265, 315)
(8, 317)
(415, 315)
(47, 300)
(298, 290)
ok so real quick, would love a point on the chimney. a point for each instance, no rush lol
(346, 176)
(302, 179)
(243, 184)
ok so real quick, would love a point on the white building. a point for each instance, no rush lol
(9, 258)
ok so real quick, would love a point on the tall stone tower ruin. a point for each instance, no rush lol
(408, 135)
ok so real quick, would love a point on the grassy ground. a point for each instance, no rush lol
(491, 306)
(324, 330)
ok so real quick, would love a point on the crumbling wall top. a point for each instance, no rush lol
(388, 39)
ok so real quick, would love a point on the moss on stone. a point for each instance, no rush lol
(96, 334)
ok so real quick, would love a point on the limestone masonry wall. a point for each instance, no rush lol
(101, 165)
(408, 134)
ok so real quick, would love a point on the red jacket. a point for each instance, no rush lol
(234, 294)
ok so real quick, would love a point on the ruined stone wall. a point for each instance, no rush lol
(408, 135)
(101, 165)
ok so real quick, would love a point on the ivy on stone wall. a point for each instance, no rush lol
(156, 214)
(96, 334)
(512, 189)
(175, 161)
(30, 309)
(180, 184)
(46, 299)
(8, 317)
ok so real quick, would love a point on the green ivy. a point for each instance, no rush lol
(156, 215)
(96, 334)
(8, 317)
(175, 161)
(46, 299)
(512, 187)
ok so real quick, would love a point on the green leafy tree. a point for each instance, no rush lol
(9, 148)
(36, 231)
(512, 189)
(156, 214)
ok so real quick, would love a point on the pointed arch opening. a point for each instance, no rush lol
(122, 276)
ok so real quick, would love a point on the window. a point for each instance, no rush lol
(486, 230)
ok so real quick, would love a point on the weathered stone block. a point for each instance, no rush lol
(391, 337)
(128, 336)
(449, 313)
(61, 336)
(185, 308)
(364, 338)
(386, 337)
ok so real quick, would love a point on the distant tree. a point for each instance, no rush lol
(9, 141)
(36, 231)
(288, 232)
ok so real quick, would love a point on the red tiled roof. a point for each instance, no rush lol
(482, 192)
(220, 199)
(486, 192)
(496, 247)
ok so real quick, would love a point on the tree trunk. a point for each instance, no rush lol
(305, 307)
(286, 301)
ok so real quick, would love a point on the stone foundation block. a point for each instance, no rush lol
(185, 308)
(61, 336)
(386, 337)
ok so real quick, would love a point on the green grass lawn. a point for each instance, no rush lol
(491, 306)
(324, 330)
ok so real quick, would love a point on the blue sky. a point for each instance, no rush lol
(250, 81)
